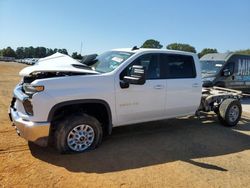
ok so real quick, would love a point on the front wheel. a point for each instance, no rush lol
(230, 112)
(78, 133)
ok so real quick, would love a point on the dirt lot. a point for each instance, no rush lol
(184, 152)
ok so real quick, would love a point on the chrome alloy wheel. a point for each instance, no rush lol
(80, 137)
(234, 113)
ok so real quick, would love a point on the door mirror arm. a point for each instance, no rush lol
(124, 85)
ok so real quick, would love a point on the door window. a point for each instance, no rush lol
(229, 67)
(151, 64)
(178, 66)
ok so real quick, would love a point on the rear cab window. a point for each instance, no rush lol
(178, 66)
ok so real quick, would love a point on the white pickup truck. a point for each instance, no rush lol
(72, 104)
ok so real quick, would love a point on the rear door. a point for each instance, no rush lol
(183, 93)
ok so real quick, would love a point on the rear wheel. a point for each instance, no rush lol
(78, 133)
(230, 112)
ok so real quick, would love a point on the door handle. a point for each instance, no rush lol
(158, 86)
(195, 85)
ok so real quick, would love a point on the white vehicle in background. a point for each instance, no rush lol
(31, 61)
(74, 104)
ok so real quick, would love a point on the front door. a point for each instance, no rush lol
(140, 103)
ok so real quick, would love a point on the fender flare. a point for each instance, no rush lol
(83, 101)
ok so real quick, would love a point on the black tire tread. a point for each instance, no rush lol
(66, 124)
(224, 110)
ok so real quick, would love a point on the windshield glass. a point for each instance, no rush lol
(109, 61)
(211, 67)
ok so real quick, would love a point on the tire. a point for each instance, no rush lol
(230, 112)
(78, 133)
(216, 110)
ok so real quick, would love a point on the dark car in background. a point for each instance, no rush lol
(229, 70)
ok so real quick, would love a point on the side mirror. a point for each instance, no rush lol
(138, 75)
(226, 73)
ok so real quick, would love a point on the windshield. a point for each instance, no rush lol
(211, 67)
(109, 61)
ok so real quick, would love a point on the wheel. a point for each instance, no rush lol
(78, 133)
(230, 112)
(217, 111)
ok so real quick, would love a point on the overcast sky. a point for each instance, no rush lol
(103, 25)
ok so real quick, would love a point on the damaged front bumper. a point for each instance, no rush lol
(37, 132)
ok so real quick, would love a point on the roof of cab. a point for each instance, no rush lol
(139, 50)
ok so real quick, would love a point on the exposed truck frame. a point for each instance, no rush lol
(212, 97)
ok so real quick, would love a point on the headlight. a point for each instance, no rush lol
(31, 89)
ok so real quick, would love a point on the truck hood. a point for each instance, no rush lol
(57, 63)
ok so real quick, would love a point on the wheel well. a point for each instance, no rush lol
(100, 111)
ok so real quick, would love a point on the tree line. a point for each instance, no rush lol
(40, 52)
(31, 52)
(151, 43)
